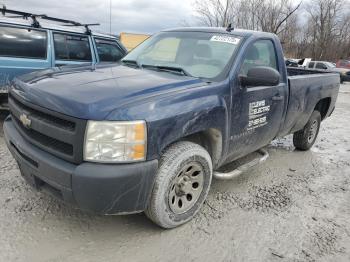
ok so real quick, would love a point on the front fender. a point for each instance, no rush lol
(174, 116)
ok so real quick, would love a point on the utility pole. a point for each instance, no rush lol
(110, 17)
(3, 4)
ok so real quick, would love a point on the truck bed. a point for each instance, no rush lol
(295, 71)
(306, 87)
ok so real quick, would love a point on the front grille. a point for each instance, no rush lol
(47, 141)
(50, 119)
(58, 134)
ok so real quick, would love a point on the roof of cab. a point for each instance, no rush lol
(51, 26)
(221, 30)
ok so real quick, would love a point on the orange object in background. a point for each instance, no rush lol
(131, 40)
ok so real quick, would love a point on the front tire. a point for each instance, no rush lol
(181, 185)
(305, 138)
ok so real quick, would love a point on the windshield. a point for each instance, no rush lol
(198, 54)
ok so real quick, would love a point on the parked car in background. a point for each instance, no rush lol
(291, 62)
(330, 67)
(343, 64)
(304, 62)
(32, 44)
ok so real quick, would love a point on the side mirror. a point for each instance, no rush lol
(260, 76)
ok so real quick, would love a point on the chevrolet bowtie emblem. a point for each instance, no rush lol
(25, 120)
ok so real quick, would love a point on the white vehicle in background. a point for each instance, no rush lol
(330, 67)
(305, 62)
(294, 62)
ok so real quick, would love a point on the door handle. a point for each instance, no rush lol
(277, 98)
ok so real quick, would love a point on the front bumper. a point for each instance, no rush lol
(100, 188)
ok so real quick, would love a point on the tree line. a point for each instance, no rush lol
(319, 29)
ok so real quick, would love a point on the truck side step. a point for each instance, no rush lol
(261, 157)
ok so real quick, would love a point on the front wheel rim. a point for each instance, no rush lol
(186, 188)
(313, 131)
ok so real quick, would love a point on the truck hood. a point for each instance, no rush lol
(92, 92)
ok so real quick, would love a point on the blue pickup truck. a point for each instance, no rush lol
(149, 133)
(30, 42)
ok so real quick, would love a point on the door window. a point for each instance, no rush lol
(72, 47)
(321, 66)
(311, 65)
(261, 53)
(23, 43)
(108, 51)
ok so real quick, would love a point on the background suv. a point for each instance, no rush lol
(27, 46)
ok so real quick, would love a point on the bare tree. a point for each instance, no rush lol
(218, 13)
(266, 15)
(274, 14)
(328, 23)
(324, 18)
(319, 29)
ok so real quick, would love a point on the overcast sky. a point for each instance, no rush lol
(138, 16)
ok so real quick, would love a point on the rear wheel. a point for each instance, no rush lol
(181, 186)
(3, 114)
(305, 138)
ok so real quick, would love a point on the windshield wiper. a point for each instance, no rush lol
(131, 62)
(171, 69)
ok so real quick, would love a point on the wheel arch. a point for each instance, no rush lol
(323, 106)
(211, 140)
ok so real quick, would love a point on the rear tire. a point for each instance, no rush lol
(3, 114)
(181, 185)
(305, 138)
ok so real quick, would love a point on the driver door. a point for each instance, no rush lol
(257, 111)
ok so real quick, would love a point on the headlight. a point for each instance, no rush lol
(113, 141)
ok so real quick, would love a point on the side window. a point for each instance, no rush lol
(72, 47)
(321, 66)
(261, 53)
(108, 51)
(23, 43)
(311, 65)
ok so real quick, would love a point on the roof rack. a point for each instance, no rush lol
(36, 24)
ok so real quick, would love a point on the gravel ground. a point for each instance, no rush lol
(294, 207)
